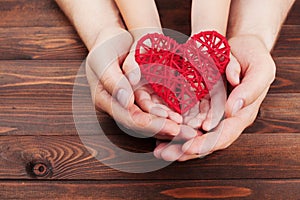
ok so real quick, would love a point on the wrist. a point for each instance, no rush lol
(109, 33)
(137, 34)
(198, 30)
(262, 19)
(266, 35)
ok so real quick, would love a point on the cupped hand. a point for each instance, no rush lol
(145, 97)
(112, 92)
(257, 72)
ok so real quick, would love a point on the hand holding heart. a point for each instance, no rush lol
(183, 77)
(252, 31)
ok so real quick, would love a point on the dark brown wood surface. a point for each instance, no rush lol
(42, 156)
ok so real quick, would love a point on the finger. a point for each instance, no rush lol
(171, 152)
(131, 69)
(159, 148)
(217, 106)
(132, 118)
(187, 133)
(104, 61)
(158, 100)
(171, 114)
(233, 71)
(175, 116)
(186, 157)
(258, 70)
(196, 122)
(143, 99)
(115, 83)
(226, 132)
(192, 113)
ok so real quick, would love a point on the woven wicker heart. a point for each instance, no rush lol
(182, 74)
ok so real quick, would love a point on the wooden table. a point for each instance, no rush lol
(42, 157)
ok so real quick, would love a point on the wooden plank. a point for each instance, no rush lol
(35, 13)
(287, 75)
(50, 116)
(26, 13)
(63, 43)
(39, 102)
(294, 15)
(180, 189)
(278, 113)
(288, 43)
(54, 43)
(16, 76)
(65, 157)
(175, 15)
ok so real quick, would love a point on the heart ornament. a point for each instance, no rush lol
(182, 74)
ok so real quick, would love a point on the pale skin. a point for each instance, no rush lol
(251, 28)
(252, 31)
(201, 115)
(106, 78)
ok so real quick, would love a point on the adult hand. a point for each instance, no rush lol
(112, 92)
(257, 73)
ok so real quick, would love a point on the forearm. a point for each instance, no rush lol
(260, 18)
(210, 15)
(140, 16)
(91, 17)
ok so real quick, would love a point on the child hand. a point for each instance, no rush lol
(257, 73)
(209, 111)
(145, 97)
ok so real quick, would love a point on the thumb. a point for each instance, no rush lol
(104, 61)
(254, 83)
(131, 69)
(258, 69)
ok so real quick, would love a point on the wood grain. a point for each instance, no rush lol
(260, 156)
(37, 116)
(56, 43)
(63, 43)
(16, 75)
(279, 112)
(168, 189)
(294, 15)
(42, 156)
(288, 43)
(22, 13)
(287, 75)
(37, 103)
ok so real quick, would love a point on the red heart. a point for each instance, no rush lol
(182, 74)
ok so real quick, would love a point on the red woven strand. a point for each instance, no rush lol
(182, 74)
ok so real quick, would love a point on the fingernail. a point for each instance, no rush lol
(157, 151)
(123, 97)
(188, 132)
(195, 123)
(187, 145)
(175, 117)
(237, 78)
(133, 78)
(237, 106)
(159, 112)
